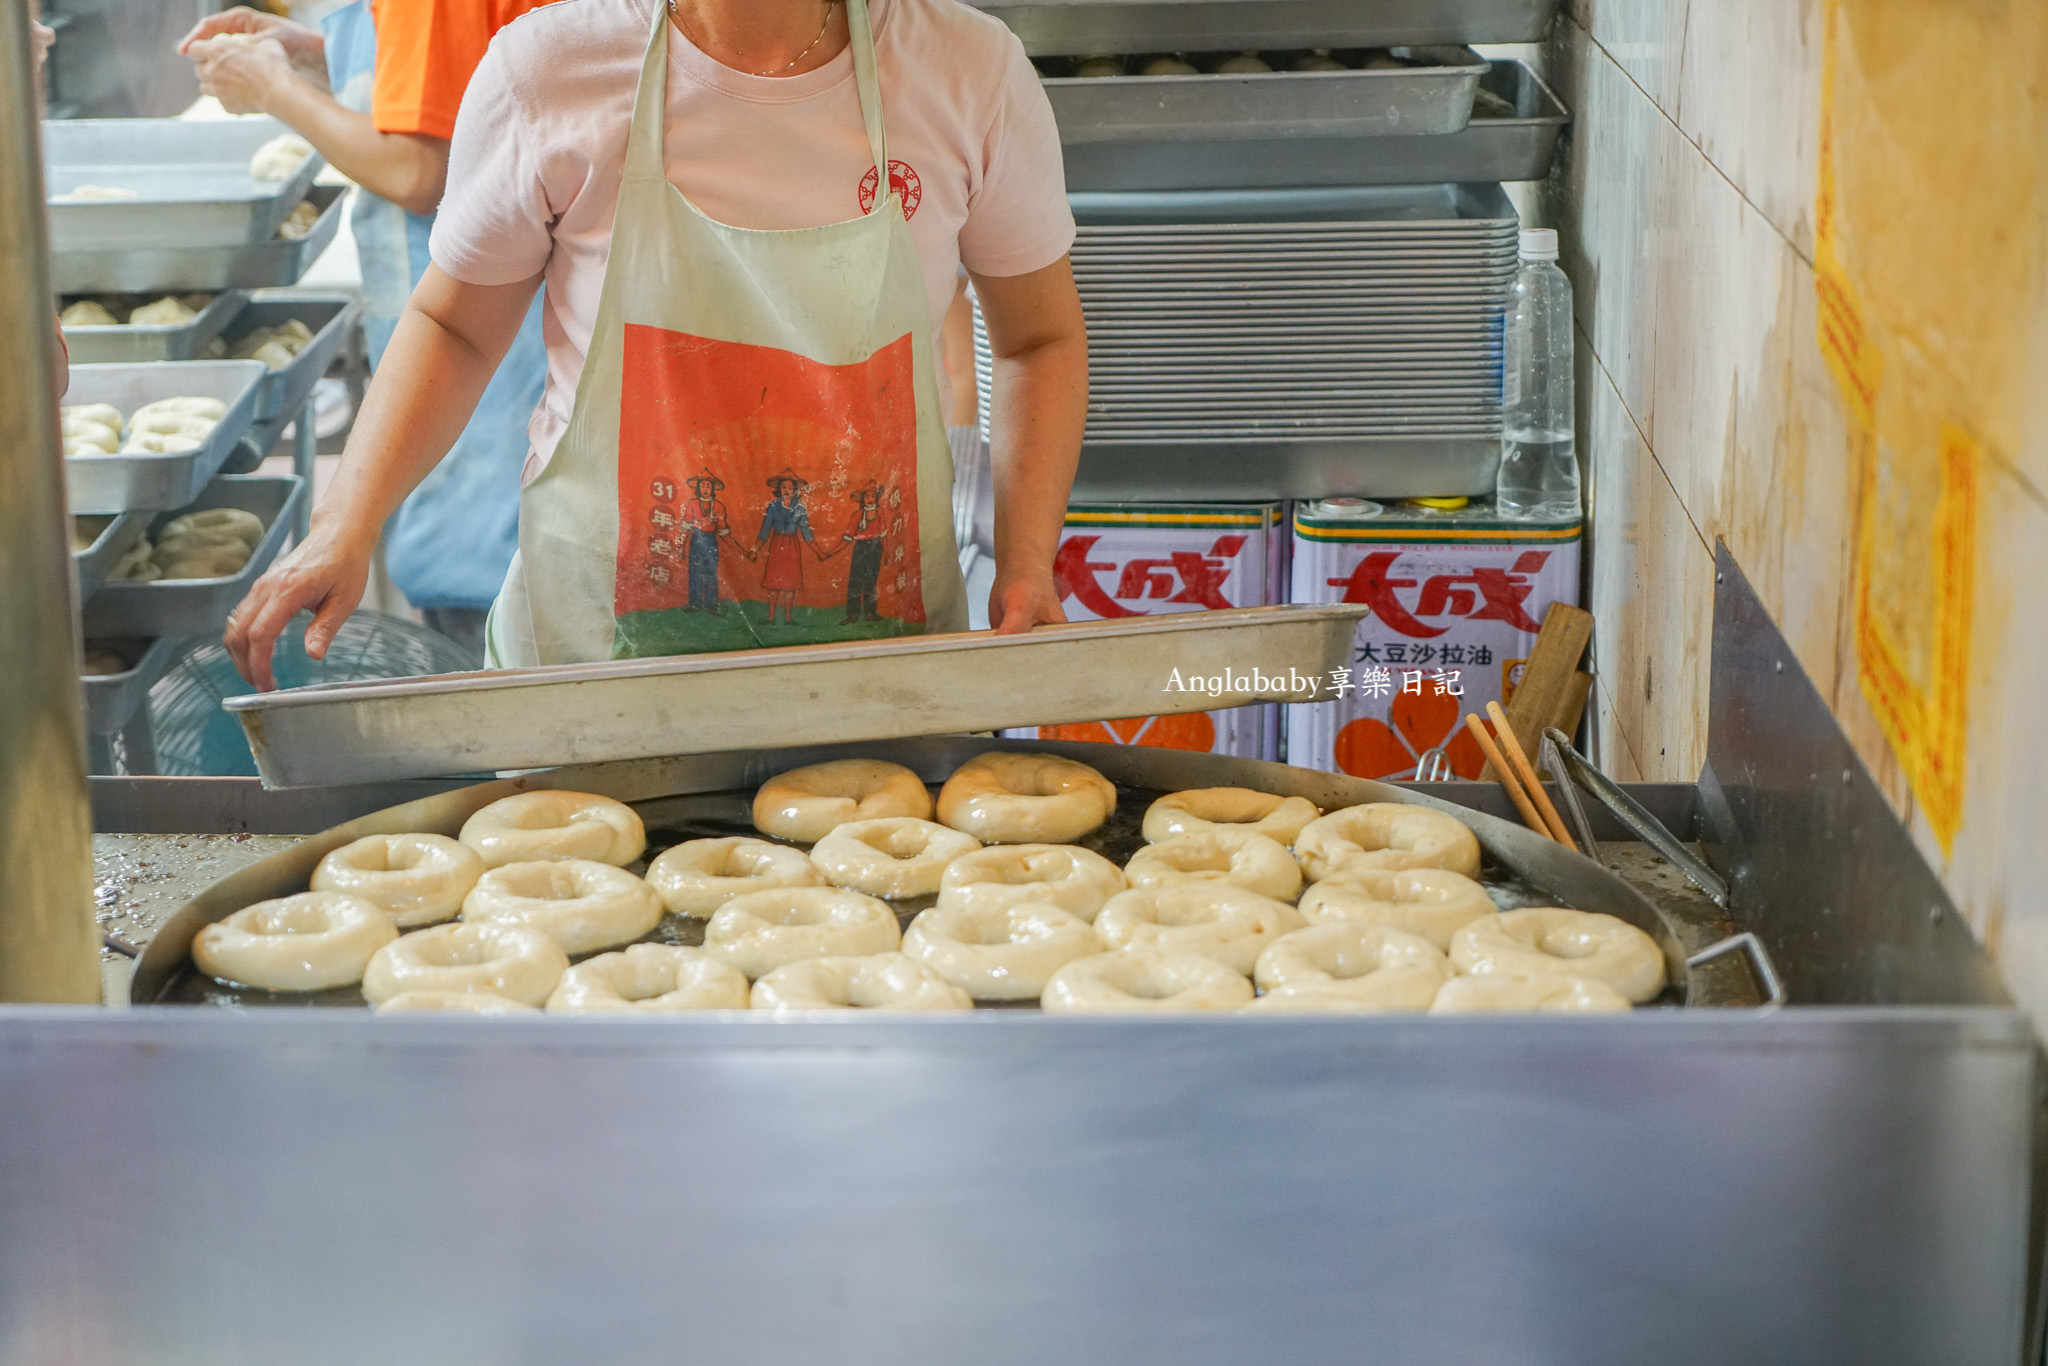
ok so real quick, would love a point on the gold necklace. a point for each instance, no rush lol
(677, 15)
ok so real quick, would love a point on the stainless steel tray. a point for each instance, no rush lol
(191, 177)
(813, 694)
(1436, 98)
(170, 269)
(1107, 26)
(330, 316)
(113, 700)
(1472, 213)
(193, 607)
(91, 565)
(119, 483)
(130, 345)
(1495, 149)
(1298, 465)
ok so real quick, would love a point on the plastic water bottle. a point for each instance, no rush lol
(1539, 466)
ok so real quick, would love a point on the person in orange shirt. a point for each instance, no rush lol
(376, 93)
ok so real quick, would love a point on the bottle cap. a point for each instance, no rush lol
(1440, 504)
(1346, 507)
(1539, 244)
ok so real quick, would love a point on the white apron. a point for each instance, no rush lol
(756, 455)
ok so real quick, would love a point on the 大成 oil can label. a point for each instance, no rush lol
(1457, 599)
(1128, 560)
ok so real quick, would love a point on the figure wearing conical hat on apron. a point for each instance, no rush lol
(704, 523)
(864, 573)
(743, 267)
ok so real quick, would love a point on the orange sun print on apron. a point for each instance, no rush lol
(811, 472)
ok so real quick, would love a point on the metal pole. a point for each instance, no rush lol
(49, 950)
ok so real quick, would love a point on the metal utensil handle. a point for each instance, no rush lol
(1552, 763)
(1752, 948)
(1632, 814)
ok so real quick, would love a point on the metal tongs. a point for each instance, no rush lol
(1571, 770)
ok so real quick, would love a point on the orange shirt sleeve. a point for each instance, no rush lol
(426, 52)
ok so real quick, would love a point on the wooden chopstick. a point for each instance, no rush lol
(1526, 771)
(1506, 776)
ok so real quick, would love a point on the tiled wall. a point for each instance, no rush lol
(1684, 200)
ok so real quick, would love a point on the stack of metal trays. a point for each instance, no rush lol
(1292, 343)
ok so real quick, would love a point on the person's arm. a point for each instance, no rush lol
(273, 77)
(443, 353)
(1037, 408)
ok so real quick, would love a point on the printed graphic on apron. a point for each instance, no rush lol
(902, 179)
(764, 498)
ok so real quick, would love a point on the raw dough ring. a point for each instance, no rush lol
(498, 960)
(999, 953)
(307, 942)
(1214, 919)
(653, 979)
(883, 981)
(1386, 836)
(1543, 940)
(697, 877)
(1238, 857)
(805, 804)
(1002, 797)
(579, 903)
(1377, 967)
(1204, 809)
(1426, 901)
(1137, 981)
(761, 931)
(453, 1003)
(1078, 881)
(414, 879)
(894, 858)
(532, 826)
(1551, 994)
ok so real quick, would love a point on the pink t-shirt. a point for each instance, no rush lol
(534, 168)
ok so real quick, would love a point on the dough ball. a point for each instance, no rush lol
(88, 313)
(1094, 68)
(164, 312)
(1169, 66)
(299, 221)
(138, 565)
(236, 523)
(1243, 64)
(278, 158)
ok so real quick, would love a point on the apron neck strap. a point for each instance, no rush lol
(650, 102)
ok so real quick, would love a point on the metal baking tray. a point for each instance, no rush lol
(112, 700)
(1291, 465)
(191, 177)
(811, 694)
(116, 532)
(120, 483)
(330, 316)
(263, 265)
(1436, 98)
(130, 345)
(194, 607)
(1493, 149)
(1113, 26)
(1469, 214)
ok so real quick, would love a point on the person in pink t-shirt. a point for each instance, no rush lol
(762, 130)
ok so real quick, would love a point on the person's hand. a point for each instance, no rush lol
(44, 38)
(304, 48)
(325, 575)
(243, 77)
(1021, 601)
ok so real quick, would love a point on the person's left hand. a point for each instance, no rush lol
(44, 38)
(242, 76)
(1021, 601)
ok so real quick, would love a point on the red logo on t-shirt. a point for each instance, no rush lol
(902, 180)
